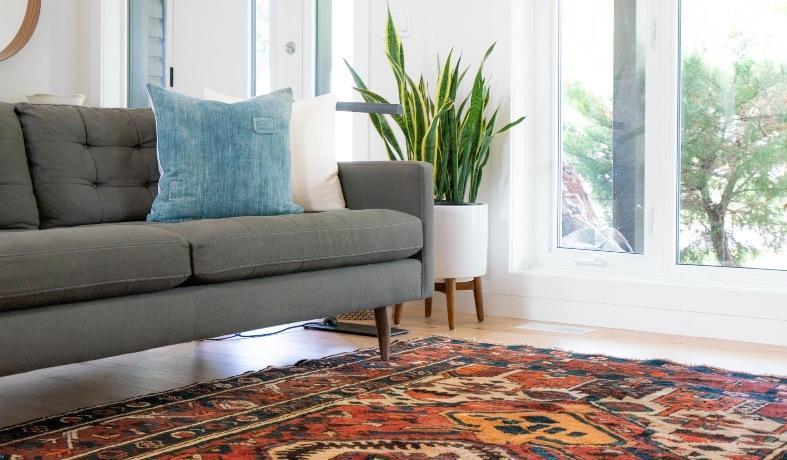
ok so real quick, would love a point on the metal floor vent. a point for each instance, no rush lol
(542, 327)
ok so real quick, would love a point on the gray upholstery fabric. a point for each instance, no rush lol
(17, 203)
(253, 247)
(46, 267)
(63, 334)
(405, 186)
(90, 166)
(244, 305)
(115, 264)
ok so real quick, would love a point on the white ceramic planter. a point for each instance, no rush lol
(461, 235)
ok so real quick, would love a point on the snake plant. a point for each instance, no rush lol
(454, 136)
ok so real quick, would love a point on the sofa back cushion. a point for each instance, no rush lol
(18, 208)
(90, 166)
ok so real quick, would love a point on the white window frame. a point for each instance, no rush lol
(535, 268)
(113, 49)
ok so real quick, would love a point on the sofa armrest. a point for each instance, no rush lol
(405, 186)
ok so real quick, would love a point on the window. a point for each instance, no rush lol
(324, 48)
(146, 48)
(731, 144)
(602, 119)
(733, 168)
(262, 47)
(334, 45)
(302, 44)
(569, 42)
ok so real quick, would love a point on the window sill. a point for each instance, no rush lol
(674, 291)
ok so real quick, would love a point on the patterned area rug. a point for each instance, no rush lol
(437, 398)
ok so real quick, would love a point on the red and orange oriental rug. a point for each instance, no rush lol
(436, 398)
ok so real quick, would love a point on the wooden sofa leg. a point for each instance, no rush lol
(428, 307)
(398, 313)
(383, 331)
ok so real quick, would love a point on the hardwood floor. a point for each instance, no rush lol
(52, 391)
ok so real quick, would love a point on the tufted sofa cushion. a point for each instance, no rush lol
(18, 208)
(90, 166)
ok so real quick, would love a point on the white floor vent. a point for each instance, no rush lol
(555, 328)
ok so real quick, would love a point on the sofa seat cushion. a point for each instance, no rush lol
(254, 247)
(45, 267)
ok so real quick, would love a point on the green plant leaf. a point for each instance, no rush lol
(420, 116)
(380, 123)
(470, 135)
(445, 81)
(430, 143)
(511, 125)
(407, 100)
(488, 53)
(393, 41)
(361, 86)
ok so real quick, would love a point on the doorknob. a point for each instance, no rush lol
(290, 48)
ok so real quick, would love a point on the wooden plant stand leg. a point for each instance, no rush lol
(450, 300)
(478, 294)
(398, 313)
(383, 331)
(428, 307)
(449, 288)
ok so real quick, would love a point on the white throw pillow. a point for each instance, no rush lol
(315, 174)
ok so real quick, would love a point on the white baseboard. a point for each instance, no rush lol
(645, 319)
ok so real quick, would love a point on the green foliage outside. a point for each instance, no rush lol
(588, 148)
(733, 159)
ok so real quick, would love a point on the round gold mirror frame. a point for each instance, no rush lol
(25, 30)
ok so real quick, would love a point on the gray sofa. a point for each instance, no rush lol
(83, 276)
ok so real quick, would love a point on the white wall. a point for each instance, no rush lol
(57, 57)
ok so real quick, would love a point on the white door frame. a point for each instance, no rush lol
(287, 24)
(288, 20)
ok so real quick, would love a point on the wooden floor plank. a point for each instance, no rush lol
(56, 390)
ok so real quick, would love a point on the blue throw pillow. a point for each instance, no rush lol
(222, 160)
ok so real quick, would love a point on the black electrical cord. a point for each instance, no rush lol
(256, 336)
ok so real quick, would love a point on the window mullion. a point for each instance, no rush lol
(628, 151)
(662, 135)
